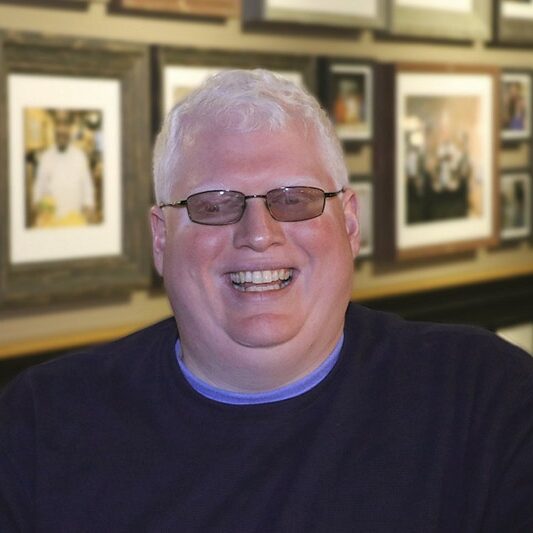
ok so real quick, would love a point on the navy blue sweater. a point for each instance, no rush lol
(418, 428)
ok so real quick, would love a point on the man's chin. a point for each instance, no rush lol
(263, 331)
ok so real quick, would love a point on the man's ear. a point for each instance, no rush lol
(159, 236)
(350, 206)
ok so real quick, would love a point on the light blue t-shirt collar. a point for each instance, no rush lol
(275, 395)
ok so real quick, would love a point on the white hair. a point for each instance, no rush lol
(242, 101)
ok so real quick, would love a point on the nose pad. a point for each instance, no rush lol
(257, 229)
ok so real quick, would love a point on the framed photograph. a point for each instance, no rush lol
(442, 19)
(514, 21)
(66, 4)
(515, 205)
(515, 114)
(445, 195)
(72, 195)
(334, 13)
(180, 71)
(347, 92)
(181, 8)
(365, 205)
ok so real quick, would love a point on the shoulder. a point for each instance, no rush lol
(436, 347)
(47, 155)
(97, 367)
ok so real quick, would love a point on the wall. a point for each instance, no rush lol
(35, 330)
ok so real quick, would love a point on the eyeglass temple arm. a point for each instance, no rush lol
(331, 194)
(179, 203)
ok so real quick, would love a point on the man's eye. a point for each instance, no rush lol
(290, 200)
(210, 208)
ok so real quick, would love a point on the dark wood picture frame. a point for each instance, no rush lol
(454, 236)
(355, 101)
(441, 24)
(512, 30)
(214, 60)
(79, 5)
(259, 14)
(516, 110)
(94, 277)
(193, 9)
(516, 219)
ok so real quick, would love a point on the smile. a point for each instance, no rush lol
(261, 280)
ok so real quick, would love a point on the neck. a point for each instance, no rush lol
(251, 370)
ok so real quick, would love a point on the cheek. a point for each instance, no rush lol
(192, 251)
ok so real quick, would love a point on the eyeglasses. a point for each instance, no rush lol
(286, 204)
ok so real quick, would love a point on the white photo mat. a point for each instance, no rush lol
(446, 231)
(347, 132)
(189, 78)
(459, 6)
(368, 8)
(515, 10)
(525, 81)
(31, 245)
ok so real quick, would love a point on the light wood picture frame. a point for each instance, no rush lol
(344, 14)
(513, 22)
(463, 20)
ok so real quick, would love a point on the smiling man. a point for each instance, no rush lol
(248, 251)
(269, 402)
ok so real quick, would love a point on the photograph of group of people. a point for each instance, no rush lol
(442, 160)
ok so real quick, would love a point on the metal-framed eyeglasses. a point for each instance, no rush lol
(285, 204)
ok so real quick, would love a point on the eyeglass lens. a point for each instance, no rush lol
(291, 204)
(286, 204)
(216, 207)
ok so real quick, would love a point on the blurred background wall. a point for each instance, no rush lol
(485, 286)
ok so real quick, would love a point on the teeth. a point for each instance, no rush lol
(259, 277)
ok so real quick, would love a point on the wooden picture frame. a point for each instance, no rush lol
(463, 20)
(202, 9)
(513, 22)
(516, 103)
(515, 205)
(344, 14)
(364, 191)
(63, 4)
(347, 91)
(58, 243)
(179, 71)
(439, 193)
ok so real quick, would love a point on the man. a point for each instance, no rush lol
(63, 178)
(265, 405)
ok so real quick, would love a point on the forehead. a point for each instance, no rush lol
(264, 159)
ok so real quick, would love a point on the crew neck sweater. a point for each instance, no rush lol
(417, 428)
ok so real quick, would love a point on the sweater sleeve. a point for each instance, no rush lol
(16, 457)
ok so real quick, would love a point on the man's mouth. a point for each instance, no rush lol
(261, 280)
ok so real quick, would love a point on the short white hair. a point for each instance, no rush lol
(242, 101)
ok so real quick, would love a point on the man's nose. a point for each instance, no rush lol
(257, 229)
